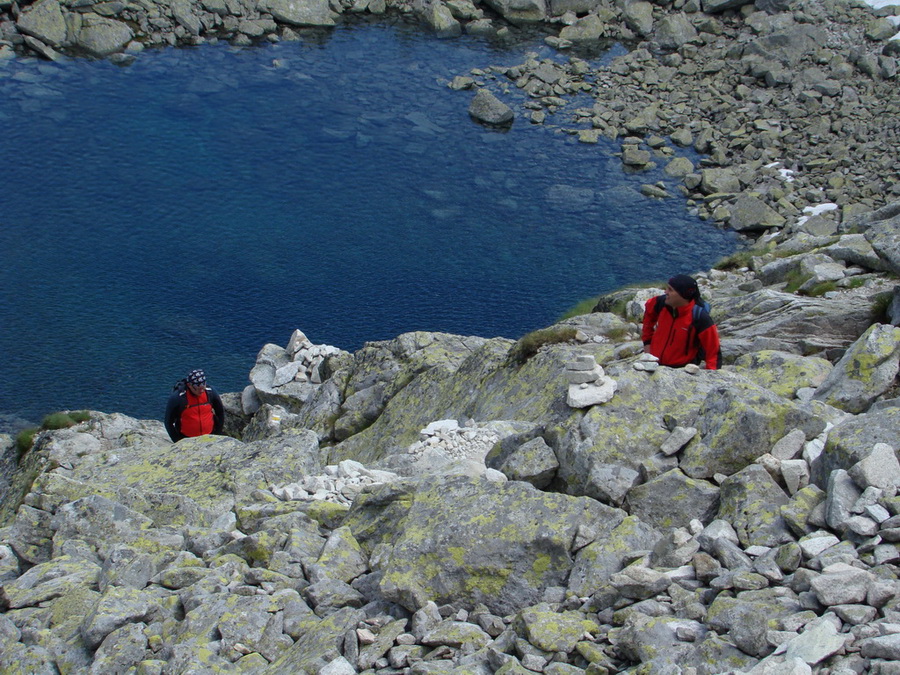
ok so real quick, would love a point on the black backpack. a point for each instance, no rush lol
(700, 306)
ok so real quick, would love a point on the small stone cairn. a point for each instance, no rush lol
(294, 371)
(588, 383)
(306, 359)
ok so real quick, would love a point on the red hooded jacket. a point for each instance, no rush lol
(676, 339)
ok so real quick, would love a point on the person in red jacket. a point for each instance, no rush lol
(194, 409)
(678, 329)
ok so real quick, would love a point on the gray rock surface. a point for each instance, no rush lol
(431, 503)
(488, 109)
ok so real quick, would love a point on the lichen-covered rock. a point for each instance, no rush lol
(781, 372)
(674, 500)
(534, 462)
(774, 319)
(627, 431)
(318, 643)
(98, 521)
(267, 421)
(553, 631)
(735, 422)
(456, 634)
(526, 393)
(50, 580)
(215, 472)
(342, 557)
(748, 617)
(797, 511)
(853, 439)
(524, 539)
(115, 608)
(751, 501)
(659, 643)
(865, 372)
(123, 648)
(883, 232)
(596, 562)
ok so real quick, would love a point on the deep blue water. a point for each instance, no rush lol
(185, 210)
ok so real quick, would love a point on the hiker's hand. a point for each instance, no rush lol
(646, 349)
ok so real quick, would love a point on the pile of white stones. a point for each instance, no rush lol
(340, 483)
(649, 364)
(455, 441)
(588, 383)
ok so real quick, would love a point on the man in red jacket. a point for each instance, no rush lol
(678, 329)
(194, 409)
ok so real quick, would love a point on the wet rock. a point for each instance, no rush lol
(300, 13)
(440, 17)
(44, 21)
(488, 109)
(101, 36)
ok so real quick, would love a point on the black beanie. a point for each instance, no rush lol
(685, 285)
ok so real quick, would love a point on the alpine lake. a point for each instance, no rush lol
(184, 210)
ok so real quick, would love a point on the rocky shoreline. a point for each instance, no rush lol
(791, 108)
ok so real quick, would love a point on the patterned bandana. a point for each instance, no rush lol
(196, 377)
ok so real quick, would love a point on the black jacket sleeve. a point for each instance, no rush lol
(218, 410)
(174, 408)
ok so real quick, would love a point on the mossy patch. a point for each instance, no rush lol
(529, 345)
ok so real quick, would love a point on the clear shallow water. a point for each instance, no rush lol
(185, 210)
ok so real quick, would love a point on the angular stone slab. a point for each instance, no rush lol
(300, 12)
(44, 20)
(524, 539)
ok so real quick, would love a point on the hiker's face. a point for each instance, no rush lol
(674, 298)
(196, 389)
